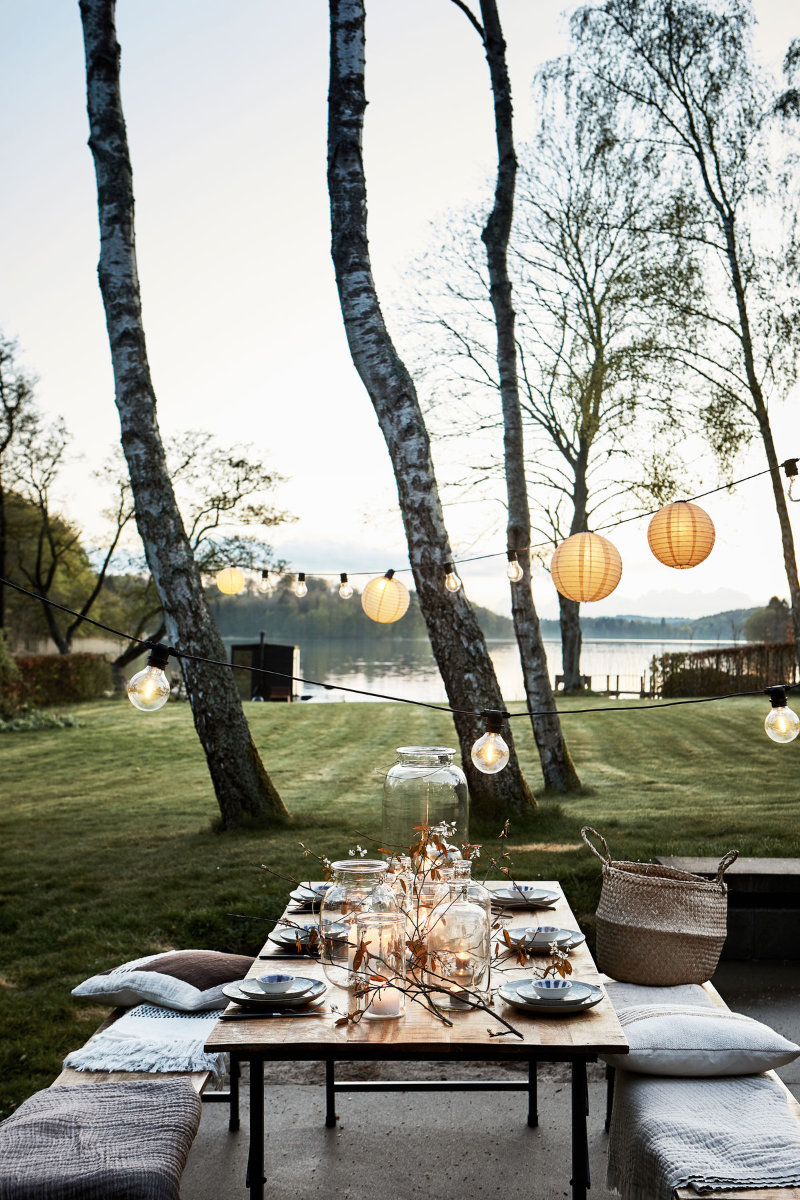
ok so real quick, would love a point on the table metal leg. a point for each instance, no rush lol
(533, 1094)
(255, 1155)
(609, 1095)
(330, 1095)
(234, 1073)
(580, 1141)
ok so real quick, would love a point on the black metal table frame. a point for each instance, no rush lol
(580, 1180)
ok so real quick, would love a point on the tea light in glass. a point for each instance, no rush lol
(381, 937)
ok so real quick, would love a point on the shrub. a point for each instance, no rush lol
(64, 678)
(29, 720)
(11, 687)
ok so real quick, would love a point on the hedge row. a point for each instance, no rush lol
(50, 679)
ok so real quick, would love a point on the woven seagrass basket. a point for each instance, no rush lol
(657, 925)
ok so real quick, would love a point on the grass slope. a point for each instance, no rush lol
(108, 849)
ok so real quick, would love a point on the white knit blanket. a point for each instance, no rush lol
(705, 1133)
(149, 1038)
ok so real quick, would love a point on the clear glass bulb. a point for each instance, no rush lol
(490, 753)
(514, 571)
(345, 590)
(266, 583)
(299, 588)
(782, 725)
(148, 690)
(452, 582)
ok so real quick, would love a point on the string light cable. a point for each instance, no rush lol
(514, 569)
(149, 691)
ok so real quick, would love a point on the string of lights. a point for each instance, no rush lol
(679, 521)
(149, 690)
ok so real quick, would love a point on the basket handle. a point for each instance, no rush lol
(728, 861)
(587, 829)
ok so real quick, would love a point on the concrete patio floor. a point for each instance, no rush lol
(449, 1146)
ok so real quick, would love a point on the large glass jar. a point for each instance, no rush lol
(424, 787)
(358, 886)
(382, 940)
(458, 950)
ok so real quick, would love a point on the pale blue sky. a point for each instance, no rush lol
(226, 113)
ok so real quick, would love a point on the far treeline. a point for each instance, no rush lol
(282, 616)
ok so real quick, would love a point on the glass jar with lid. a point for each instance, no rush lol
(424, 787)
(358, 886)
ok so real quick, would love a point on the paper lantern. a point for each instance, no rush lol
(681, 535)
(586, 567)
(230, 581)
(385, 599)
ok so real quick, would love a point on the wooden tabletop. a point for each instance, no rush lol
(420, 1034)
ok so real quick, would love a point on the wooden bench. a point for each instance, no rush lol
(688, 1193)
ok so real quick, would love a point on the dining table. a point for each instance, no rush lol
(575, 1036)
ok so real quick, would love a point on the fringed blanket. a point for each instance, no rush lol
(705, 1133)
(113, 1141)
(149, 1038)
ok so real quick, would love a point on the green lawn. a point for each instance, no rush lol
(108, 851)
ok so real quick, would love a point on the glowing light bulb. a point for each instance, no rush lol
(451, 580)
(345, 589)
(266, 583)
(514, 569)
(148, 690)
(490, 753)
(299, 586)
(782, 724)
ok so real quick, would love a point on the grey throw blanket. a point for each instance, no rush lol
(703, 1133)
(107, 1141)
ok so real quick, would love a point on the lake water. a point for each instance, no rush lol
(407, 668)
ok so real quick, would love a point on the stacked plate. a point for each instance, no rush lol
(539, 940)
(303, 994)
(307, 897)
(521, 994)
(524, 895)
(303, 937)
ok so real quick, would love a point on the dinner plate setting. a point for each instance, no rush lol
(524, 895)
(539, 940)
(299, 939)
(521, 994)
(308, 994)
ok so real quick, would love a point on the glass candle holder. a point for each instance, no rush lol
(381, 942)
(458, 950)
(358, 886)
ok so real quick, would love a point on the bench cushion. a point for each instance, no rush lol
(189, 980)
(113, 1141)
(685, 1040)
(710, 1133)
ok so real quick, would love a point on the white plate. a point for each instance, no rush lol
(535, 943)
(233, 991)
(511, 897)
(296, 989)
(583, 995)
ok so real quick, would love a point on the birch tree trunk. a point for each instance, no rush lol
(244, 790)
(557, 766)
(456, 638)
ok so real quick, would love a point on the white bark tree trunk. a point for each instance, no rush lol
(456, 638)
(244, 790)
(557, 766)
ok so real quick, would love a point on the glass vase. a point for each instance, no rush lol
(458, 950)
(424, 787)
(381, 941)
(358, 886)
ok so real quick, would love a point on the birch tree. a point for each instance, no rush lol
(557, 766)
(688, 70)
(458, 644)
(244, 790)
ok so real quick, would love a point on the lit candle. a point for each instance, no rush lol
(383, 937)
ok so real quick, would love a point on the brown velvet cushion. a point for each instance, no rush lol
(189, 980)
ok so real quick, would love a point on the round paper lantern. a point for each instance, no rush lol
(586, 567)
(230, 581)
(385, 599)
(681, 535)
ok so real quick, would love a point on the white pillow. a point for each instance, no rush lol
(683, 1040)
(189, 980)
